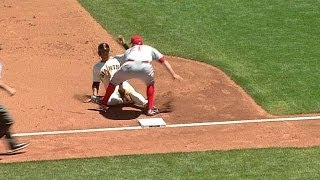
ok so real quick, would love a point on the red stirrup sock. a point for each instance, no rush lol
(150, 95)
(108, 93)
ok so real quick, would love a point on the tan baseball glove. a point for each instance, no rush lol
(125, 95)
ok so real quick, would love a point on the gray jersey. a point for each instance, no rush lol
(137, 64)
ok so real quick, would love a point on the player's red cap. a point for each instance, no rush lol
(136, 40)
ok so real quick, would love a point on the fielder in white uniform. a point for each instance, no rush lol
(136, 63)
(104, 70)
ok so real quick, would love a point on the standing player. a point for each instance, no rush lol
(6, 121)
(137, 64)
(103, 71)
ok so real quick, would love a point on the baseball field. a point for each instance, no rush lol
(247, 109)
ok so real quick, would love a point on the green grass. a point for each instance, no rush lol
(275, 163)
(269, 47)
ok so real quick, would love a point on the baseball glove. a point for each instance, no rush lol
(125, 96)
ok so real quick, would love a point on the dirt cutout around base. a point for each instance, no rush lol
(48, 49)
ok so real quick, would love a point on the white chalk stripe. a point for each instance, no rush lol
(170, 125)
(76, 131)
(247, 121)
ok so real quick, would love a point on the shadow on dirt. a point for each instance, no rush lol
(121, 112)
(11, 154)
(131, 111)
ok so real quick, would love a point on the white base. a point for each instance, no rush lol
(151, 122)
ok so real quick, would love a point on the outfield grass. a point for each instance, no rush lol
(275, 163)
(269, 47)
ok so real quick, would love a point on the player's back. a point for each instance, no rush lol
(142, 53)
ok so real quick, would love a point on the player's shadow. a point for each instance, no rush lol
(11, 154)
(121, 111)
(117, 112)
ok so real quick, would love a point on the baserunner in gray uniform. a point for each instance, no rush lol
(6, 121)
(136, 63)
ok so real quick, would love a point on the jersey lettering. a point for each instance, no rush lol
(113, 67)
(110, 70)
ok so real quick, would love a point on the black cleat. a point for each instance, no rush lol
(18, 147)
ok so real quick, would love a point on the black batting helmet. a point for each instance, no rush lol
(103, 47)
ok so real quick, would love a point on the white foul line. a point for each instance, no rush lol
(76, 131)
(171, 126)
(247, 121)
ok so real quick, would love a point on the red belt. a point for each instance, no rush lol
(141, 61)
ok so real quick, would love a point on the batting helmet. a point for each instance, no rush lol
(136, 40)
(103, 47)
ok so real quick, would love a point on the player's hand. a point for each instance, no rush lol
(121, 40)
(12, 91)
(176, 76)
(91, 99)
(102, 74)
(87, 100)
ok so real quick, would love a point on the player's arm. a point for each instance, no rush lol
(7, 88)
(157, 55)
(122, 42)
(169, 68)
(95, 84)
(125, 46)
(96, 77)
(95, 88)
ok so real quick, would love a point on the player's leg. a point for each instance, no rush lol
(115, 97)
(6, 122)
(4, 131)
(136, 97)
(150, 95)
(13, 144)
(120, 76)
(145, 73)
(110, 89)
(148, 78)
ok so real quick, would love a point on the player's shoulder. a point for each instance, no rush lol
(98, 64)
(112, 59)
(149, 47)
(146, 45)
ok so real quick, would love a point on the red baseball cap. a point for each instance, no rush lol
(136, 40)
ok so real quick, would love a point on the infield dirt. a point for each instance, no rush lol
(48, 53)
